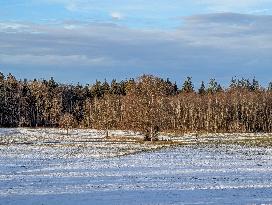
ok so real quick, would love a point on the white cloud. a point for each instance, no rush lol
(229, 30)
(232, 5)
(223, 43)
(11, 27)
(116, 15)
(60, 60)
(213, 5)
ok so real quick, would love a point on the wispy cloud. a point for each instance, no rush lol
(230, 30)
(212, 5)
(152, 14)
(220, 44)
(234, 5)
(52, 60)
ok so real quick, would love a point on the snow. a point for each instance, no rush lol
(215, 137)
(77, 172)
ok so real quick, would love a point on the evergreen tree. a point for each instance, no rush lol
(25, 104)
(148, 104)
(114, 88)
(188, 86)
(202, 89)
(244, 84)
(213, 86)
(2, 98)
(173, 88)
(255, 85)
(105, 87)
(12, 99)
(122, 87)
(269, 86)
(97, 90)
(233, 83)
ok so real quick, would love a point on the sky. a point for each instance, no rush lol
(84, 40)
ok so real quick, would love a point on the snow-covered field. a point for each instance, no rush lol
(44, 166)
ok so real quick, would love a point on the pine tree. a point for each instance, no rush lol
(114, 88)
(148, 104)
(2, 99)
(97, 90)
(12, 100)
(188, 86)
(233, 83)
(202, 89)
(213, 86)
(255, 85)
(105, 88)
(25, 104)
(269, 86)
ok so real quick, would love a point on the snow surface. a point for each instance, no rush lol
(77, 172)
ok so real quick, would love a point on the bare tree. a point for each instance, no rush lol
(148, 104)
(67, 121)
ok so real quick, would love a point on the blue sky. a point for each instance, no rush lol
(83, 40)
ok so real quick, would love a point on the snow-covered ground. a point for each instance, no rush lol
(82, 171)
(79, 143)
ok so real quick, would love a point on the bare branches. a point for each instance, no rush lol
(148, 104)
(67, 121)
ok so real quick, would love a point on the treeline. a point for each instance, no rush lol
(147, 104)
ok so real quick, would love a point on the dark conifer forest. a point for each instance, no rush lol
(143, 104)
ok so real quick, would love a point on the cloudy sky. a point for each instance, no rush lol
(84, 40)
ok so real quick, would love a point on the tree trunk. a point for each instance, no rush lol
(151, 134)
(107, 133)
